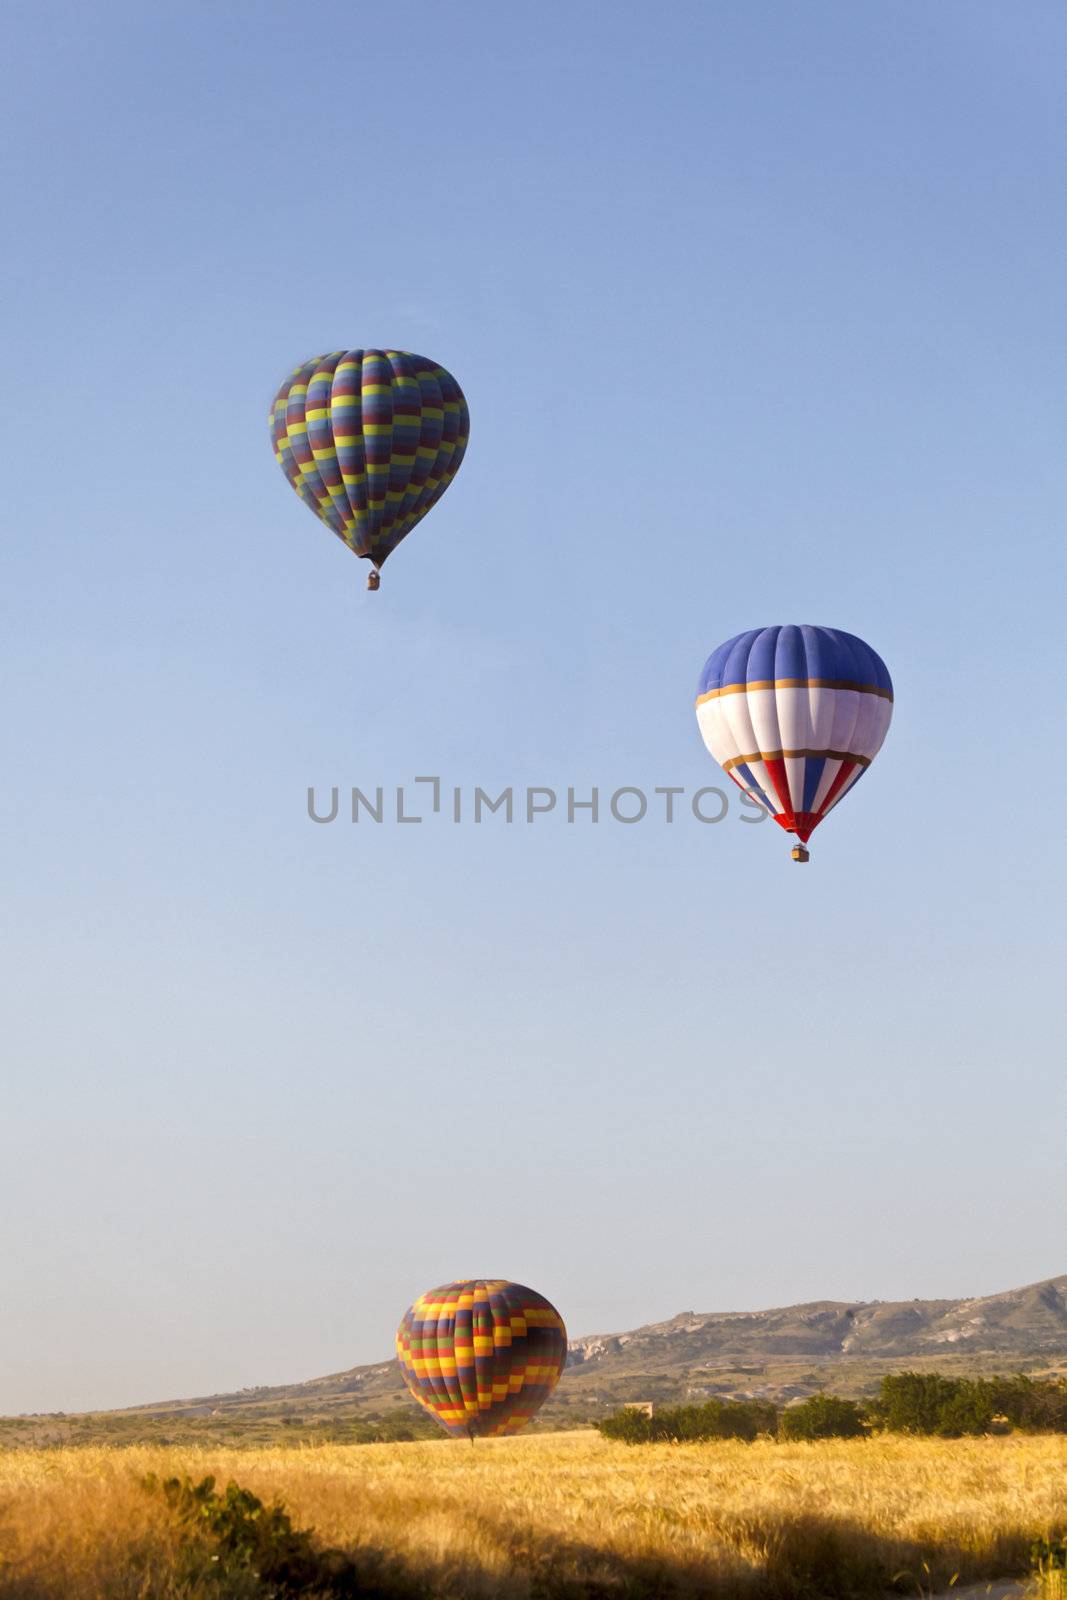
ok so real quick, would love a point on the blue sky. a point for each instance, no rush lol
(759, 313)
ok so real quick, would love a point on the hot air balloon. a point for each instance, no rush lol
(482, 1354)
(795, 716)
(370, 440)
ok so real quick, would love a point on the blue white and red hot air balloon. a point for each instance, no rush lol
(795, 716)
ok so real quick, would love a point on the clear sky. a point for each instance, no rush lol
(760, 313)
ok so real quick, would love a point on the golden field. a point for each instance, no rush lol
(558, 1515)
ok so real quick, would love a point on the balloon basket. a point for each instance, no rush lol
(800, 852)
(374, 580)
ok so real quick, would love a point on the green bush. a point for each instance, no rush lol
(250, 1549)
(912, 1402)
(927, 1403)
(1049, 1576)
(628, 1425)
(717, 1419)
(908, 1402)
(1037, 1405)
(1050, 1555)
(823, 1416)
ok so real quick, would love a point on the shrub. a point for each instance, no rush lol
(912, 1402)
(1039, 1405)
(823, 1416)
(925, 1402)
(969, 1411)
(249, 1548)
(1049, 1557)
(629, 1425)
(716, 1419)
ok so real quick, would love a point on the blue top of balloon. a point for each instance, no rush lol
(795, 654)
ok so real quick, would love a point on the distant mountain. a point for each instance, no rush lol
(780, 1355)
(787, 1353)
(1022, 1322)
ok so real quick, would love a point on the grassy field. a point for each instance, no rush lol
(555, 1515)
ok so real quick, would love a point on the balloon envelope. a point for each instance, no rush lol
(481, 1354)
(795, 716)
(370, 440)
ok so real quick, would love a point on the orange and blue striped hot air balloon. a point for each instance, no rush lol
(482, 1354)
(370, 440)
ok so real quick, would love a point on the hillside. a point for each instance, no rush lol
(780, 1354)
(1030, 1321)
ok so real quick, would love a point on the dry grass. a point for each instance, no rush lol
(563, 1515)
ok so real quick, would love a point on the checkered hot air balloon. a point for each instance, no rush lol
(370, 440)
(795, 716)
(482, 1355)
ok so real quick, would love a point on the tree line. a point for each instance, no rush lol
(907, 1402)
